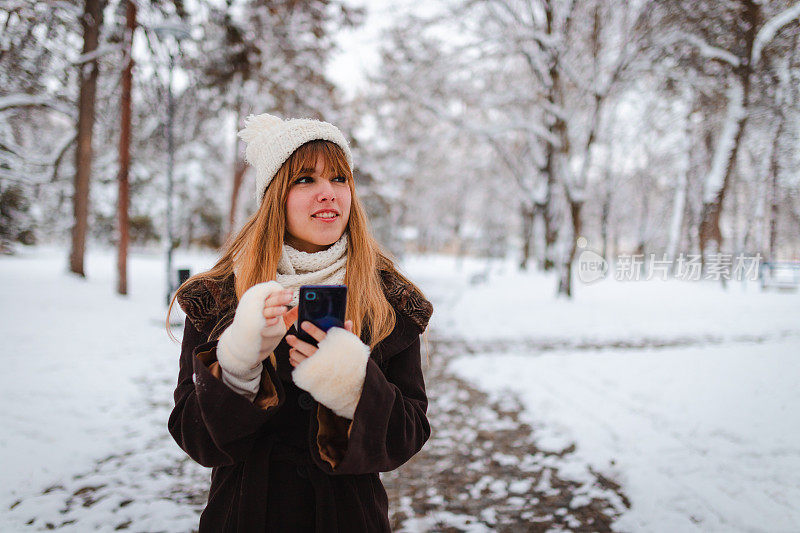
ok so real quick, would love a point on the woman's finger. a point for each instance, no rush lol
(301, 346)
(278, 297)
(273, 311)
(348, 325)
(295, 357)
(313, 330)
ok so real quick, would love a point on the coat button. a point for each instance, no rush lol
(306, 401)
(302, 471)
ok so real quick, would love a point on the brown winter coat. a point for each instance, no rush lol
(286, 462)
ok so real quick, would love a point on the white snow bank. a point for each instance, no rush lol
(513, 305)
(701, 439)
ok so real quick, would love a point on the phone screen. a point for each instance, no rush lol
(323, 305)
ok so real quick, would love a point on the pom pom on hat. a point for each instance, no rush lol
(257, 125)
(271, 140)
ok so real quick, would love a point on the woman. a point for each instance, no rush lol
(296, 434)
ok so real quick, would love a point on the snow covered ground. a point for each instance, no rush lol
(83, 369)
(702, 433)
(520, 305)
(702, 437)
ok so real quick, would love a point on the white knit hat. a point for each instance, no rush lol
(271, 140)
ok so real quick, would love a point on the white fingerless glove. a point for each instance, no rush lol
(335, 374)
(245, 344)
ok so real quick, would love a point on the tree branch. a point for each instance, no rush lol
(711, 52)
(770, 29)
(26, 100)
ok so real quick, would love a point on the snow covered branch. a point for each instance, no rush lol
(96, 53)
(12, 175)
(725, 144)
(26, 100)
(51, 159)
(710, 52)
(770, 28)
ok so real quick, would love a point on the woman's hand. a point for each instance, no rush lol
(250, 339)
(275, 308)
(301, 350)
(333, 373)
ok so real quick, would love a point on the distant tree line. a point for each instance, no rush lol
(490, 126)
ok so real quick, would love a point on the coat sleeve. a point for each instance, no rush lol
(213, 424)
(389, 426)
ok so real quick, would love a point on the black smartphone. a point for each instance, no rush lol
(322, 305)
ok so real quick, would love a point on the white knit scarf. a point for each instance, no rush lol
(327, 267)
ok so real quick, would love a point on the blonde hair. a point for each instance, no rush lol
(255, 250)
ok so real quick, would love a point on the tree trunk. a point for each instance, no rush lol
(722, 166)
(724, 160)
(528, 217)
(773, 193)
(755, 237)
(681, 187)
(605, 213)
(643, 229)
(459, 242)
(565, 282)
(125, 150)
(558, 126)
(608, 186)
(549, 213)
(239, 168)
(736, 209)
(560, 157)
(574, 190)
(559, 165)
(690, 232)
(91, 21)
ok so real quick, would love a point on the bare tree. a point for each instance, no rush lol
(125, 149)
(732, 51)
(91, 22)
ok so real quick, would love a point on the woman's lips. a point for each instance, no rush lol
(326, 220)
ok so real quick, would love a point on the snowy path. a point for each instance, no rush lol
(700, 438)
(482, 471)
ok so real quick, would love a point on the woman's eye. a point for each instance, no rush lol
(342, 179)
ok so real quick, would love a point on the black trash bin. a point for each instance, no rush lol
(183, 275)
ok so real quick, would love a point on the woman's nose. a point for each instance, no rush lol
(326, 191)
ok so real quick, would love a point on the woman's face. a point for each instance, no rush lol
(311, 195)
